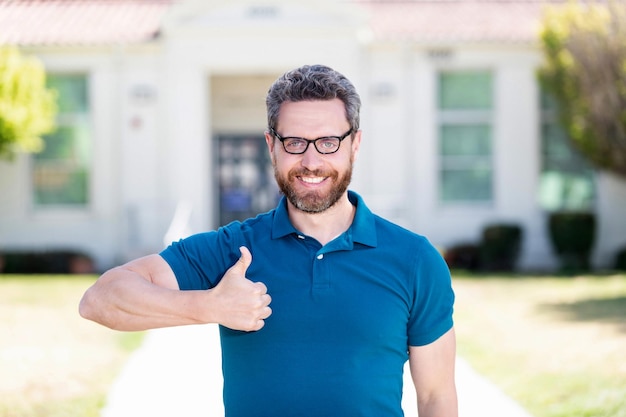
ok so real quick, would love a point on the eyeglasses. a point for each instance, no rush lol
(324, 145)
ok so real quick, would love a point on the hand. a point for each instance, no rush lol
(243, 304)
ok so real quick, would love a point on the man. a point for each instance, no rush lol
(352, 295)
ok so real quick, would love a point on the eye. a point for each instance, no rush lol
(295, 143)
(328, 144)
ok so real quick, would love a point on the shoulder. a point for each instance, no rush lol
(389, 232)
(235, 230)
(225, 240)
(414, 250)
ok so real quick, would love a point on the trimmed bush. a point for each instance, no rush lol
(463, 256)
(572, 235)
(620, 259)
(50, 262)
(500, 247)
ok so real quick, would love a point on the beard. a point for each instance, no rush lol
(313, 201)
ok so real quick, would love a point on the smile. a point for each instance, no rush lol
(312, 180)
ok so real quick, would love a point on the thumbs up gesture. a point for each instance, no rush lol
(241, 303)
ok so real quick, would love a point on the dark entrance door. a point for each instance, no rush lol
(246, 178)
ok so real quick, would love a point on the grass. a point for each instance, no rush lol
(54, 363)
(556, 345)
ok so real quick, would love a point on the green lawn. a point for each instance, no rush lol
(556, 345)
(52, 362)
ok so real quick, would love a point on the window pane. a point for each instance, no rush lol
(465, 90)
(465, 140)
(58, 183)
(547, 101)
(567, 179)
(466, 185)
(72, 92)
(559, 153)
(566, 191)
(61, 171)
(465, 136)
(554, 142)
(59, 145)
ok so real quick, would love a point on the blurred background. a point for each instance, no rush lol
(160, 120)
(495, 128)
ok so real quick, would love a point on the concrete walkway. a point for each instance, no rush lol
(177, 372)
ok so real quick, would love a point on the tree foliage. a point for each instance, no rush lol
(584, 45)
(27, 107)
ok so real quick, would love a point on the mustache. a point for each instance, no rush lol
(307, 172)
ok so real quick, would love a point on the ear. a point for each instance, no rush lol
(356, 144)
(269, 140)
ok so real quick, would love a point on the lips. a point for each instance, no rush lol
(311, 180)
(308, 177)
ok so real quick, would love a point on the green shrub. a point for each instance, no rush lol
(500, 247)
(463, 256)
(620, 259)
(45, 262)
(572, 235)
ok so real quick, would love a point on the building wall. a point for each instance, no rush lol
(401, 173)
(92, 229)
(611, 215)
(156, 109)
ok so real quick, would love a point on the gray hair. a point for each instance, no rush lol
(313, 82)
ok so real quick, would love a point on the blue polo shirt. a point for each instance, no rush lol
(343, 315)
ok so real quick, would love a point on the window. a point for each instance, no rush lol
(61, 171)
(465, 136)
(567, 180)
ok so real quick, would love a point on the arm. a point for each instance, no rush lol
(143, 294)
(432, 370)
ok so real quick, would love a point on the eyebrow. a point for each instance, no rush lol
(302, 137)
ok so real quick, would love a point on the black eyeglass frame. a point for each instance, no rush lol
(309, 141)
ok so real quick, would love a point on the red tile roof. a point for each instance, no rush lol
(92, 22)
(80, 22)
(456, 21)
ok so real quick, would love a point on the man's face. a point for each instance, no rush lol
(313, 182)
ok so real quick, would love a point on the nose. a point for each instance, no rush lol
(311, 158)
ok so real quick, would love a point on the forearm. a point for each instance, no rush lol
(439, 407)
(123, 300)
(144, 294)
(432, 368)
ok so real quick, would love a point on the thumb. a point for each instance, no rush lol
(244, 261)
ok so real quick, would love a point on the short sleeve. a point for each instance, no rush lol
(431, 313)
(200, 261)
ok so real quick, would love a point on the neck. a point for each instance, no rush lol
(327, 225)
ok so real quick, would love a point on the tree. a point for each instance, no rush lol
(584, 45)
(27, 107)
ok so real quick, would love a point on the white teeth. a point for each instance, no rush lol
(315, 180)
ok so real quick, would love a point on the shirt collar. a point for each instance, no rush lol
(363, 229)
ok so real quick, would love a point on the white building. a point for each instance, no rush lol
(163, 108)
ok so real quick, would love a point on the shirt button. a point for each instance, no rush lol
(320, 256)
(300, 237)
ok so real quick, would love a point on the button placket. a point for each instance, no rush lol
(321, 272)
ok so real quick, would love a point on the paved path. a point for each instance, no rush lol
(177, 372)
